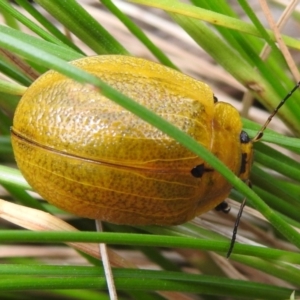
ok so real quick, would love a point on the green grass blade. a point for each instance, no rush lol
(44, 58)
(134, 29)
(83, 25)
(27, 22)
(46, 24)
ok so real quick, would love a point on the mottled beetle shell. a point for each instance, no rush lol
(89, 156)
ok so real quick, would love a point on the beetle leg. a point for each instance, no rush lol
(224, 207)
(199, 170)
(235, 228)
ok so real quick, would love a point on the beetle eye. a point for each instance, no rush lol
(198, 171)
(244, 137)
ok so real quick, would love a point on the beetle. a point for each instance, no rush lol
(91, 157)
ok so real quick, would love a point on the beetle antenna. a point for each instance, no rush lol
(258, 136)
(260, 133)
(236, 226)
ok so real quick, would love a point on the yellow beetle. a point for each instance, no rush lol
(89, 156)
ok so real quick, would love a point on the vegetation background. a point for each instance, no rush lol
(219, 42)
